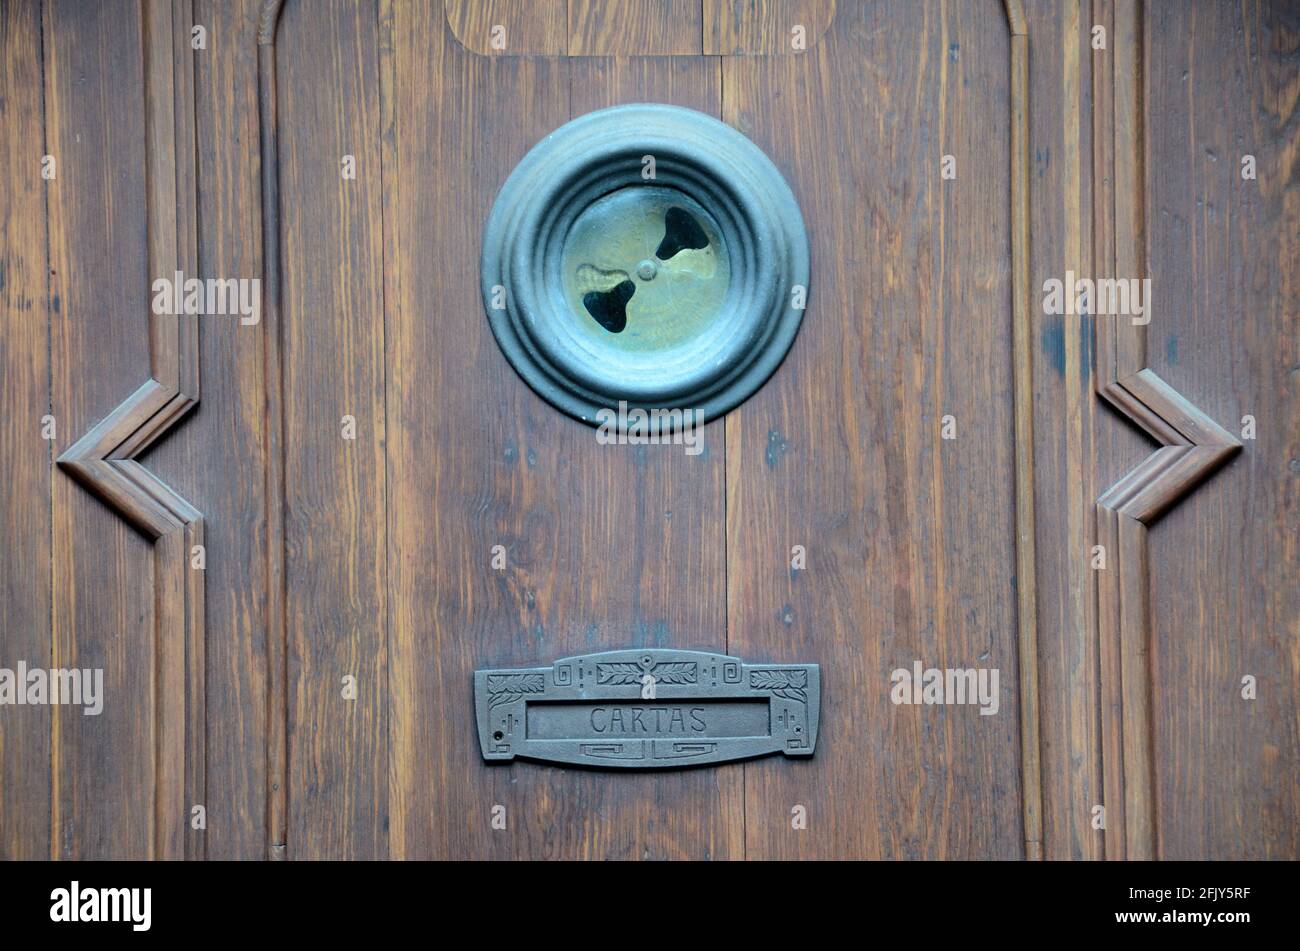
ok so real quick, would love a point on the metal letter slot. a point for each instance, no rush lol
(647, 709)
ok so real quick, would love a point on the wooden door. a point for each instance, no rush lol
(305, 531)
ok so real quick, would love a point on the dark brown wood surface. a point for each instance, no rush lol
(26, 738)
(102, 774)
(909, 536)
(371, 558)
(602, 547)
(1222, 82)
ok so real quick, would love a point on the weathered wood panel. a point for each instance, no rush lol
(747, 27)
(25, 569)
(909, 537)
(1135, 159)
(217, 458)
(1221, 83)
(508, 27)
(103, 594)
(634, 28)
(1065, 406)
(606, 546)
(334, 418)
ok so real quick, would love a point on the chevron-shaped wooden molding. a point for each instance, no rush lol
(104, 460)
(1192, 446)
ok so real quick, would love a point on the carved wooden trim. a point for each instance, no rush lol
(103, 460)
(1022, 348)
(277, 653)
(1192, 446)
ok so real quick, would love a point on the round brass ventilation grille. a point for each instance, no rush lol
(647, 255)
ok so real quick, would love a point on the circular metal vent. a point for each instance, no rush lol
(647, 255)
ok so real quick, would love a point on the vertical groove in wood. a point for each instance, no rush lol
(397, 729)
(160, 176)
(185, 201)
(1103, 156)
(160, 159)
(277, 761)
(1129, 210)
(1111, 695)
(172, 247)
(1023, 390)
(1138, 763)
(1060, 212)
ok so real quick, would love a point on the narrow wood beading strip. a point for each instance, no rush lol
(277, 743)
(1022, 335)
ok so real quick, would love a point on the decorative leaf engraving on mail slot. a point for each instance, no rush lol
(507, 688)
(647, 709)
(629, 673)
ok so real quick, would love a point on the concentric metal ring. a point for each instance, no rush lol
(573, 366)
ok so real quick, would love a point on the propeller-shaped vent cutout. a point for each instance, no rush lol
(609, 308)
(681, 233)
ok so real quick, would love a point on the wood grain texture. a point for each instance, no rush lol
(104, 458)
(531, 27)
(909, 537)
(1193, 446)
(747, 27)
(372, 558)
(1220, 82)
(1022, 361)
(219, 454)
(25, 570)
(634, 27)
(605, 546)
(332, 307)
(277, 634)
(104, 767)
(1060, 139)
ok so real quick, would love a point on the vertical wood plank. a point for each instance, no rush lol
(746, 27)
(24, 399)
(277, 634)
(634, 28)
(1135, 688)
(103, 590)
(233, 494)
(690, 81)
(908, 536)
(335, 522)
(606, 546)
(1060, 142)
(1220, 82)
(526, 27)
(1022, 357)
(220, 457)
